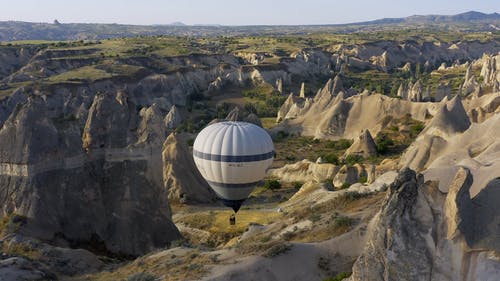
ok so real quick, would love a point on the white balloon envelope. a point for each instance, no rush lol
(233, 157)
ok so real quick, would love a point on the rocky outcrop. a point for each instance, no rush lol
(285, 108)
(279, 85)
(345, 114)
(53, 174)
(351, 175)
(470, 85)
(411, 91)
(181, 179)
(215, 85)
(305, 171)
(233, 115)
(236, 115)
(302, 92)
(442, 91)
(151, 129)
(398, 236)
(472, 217)
(490, 71)
(364, 146)
(396, 55)
(420, 234)
(13, 58)
(173, 118)
(451, 118)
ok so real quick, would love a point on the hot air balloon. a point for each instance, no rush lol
(233, 158)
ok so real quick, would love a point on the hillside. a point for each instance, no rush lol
(16, 31)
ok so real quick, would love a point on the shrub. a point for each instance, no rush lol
(11, 223)
(280, 135)
(330, 144)
(142, 276)
(250, 108)
(331, 158)
(315, 217)
(342, 221)
(352, 196)
(383, 142)
(345, 185)
(272, 184)
(353, 159)
(343, 144)
(415, 129)
(297, 184)
(222, 110)
(363, 179)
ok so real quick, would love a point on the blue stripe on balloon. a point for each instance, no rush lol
(233, 185)
(233, 158)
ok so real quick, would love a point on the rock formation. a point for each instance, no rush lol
(415, 92)
(451, 118)
(173, 118)
(470, 85)
(302, 93)
(115, 202)
(344, 115)
(304, 171)
(398, 236)
(181, 178)
(441, 156)
(285, 108)
(406, 240)
(215, 85)
(402, 91)
(490, 71)
(279, 85)
(236, 115)
(442, 91)
(364, 145)
(349, 175)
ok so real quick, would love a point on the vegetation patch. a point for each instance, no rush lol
(82, 74)
(277, 250)
(217, 223)
(339, 277)
(293, 148)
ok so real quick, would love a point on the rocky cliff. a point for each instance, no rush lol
(343, 115)
(422, 234)
(181, 178)
(84, 185)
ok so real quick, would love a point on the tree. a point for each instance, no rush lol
(272, 185)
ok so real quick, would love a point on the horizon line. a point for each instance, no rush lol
(182, 24)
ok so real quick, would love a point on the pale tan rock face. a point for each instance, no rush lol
(422, 234)
(181, 178)
(364, 145)
(490, 71)
(173, 118)
(305, 171)
(458, 188)
(349, 175)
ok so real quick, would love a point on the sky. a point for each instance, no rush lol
(231, 12)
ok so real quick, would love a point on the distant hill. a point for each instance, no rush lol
(467, 17)
(14, 30)
(464, 17)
